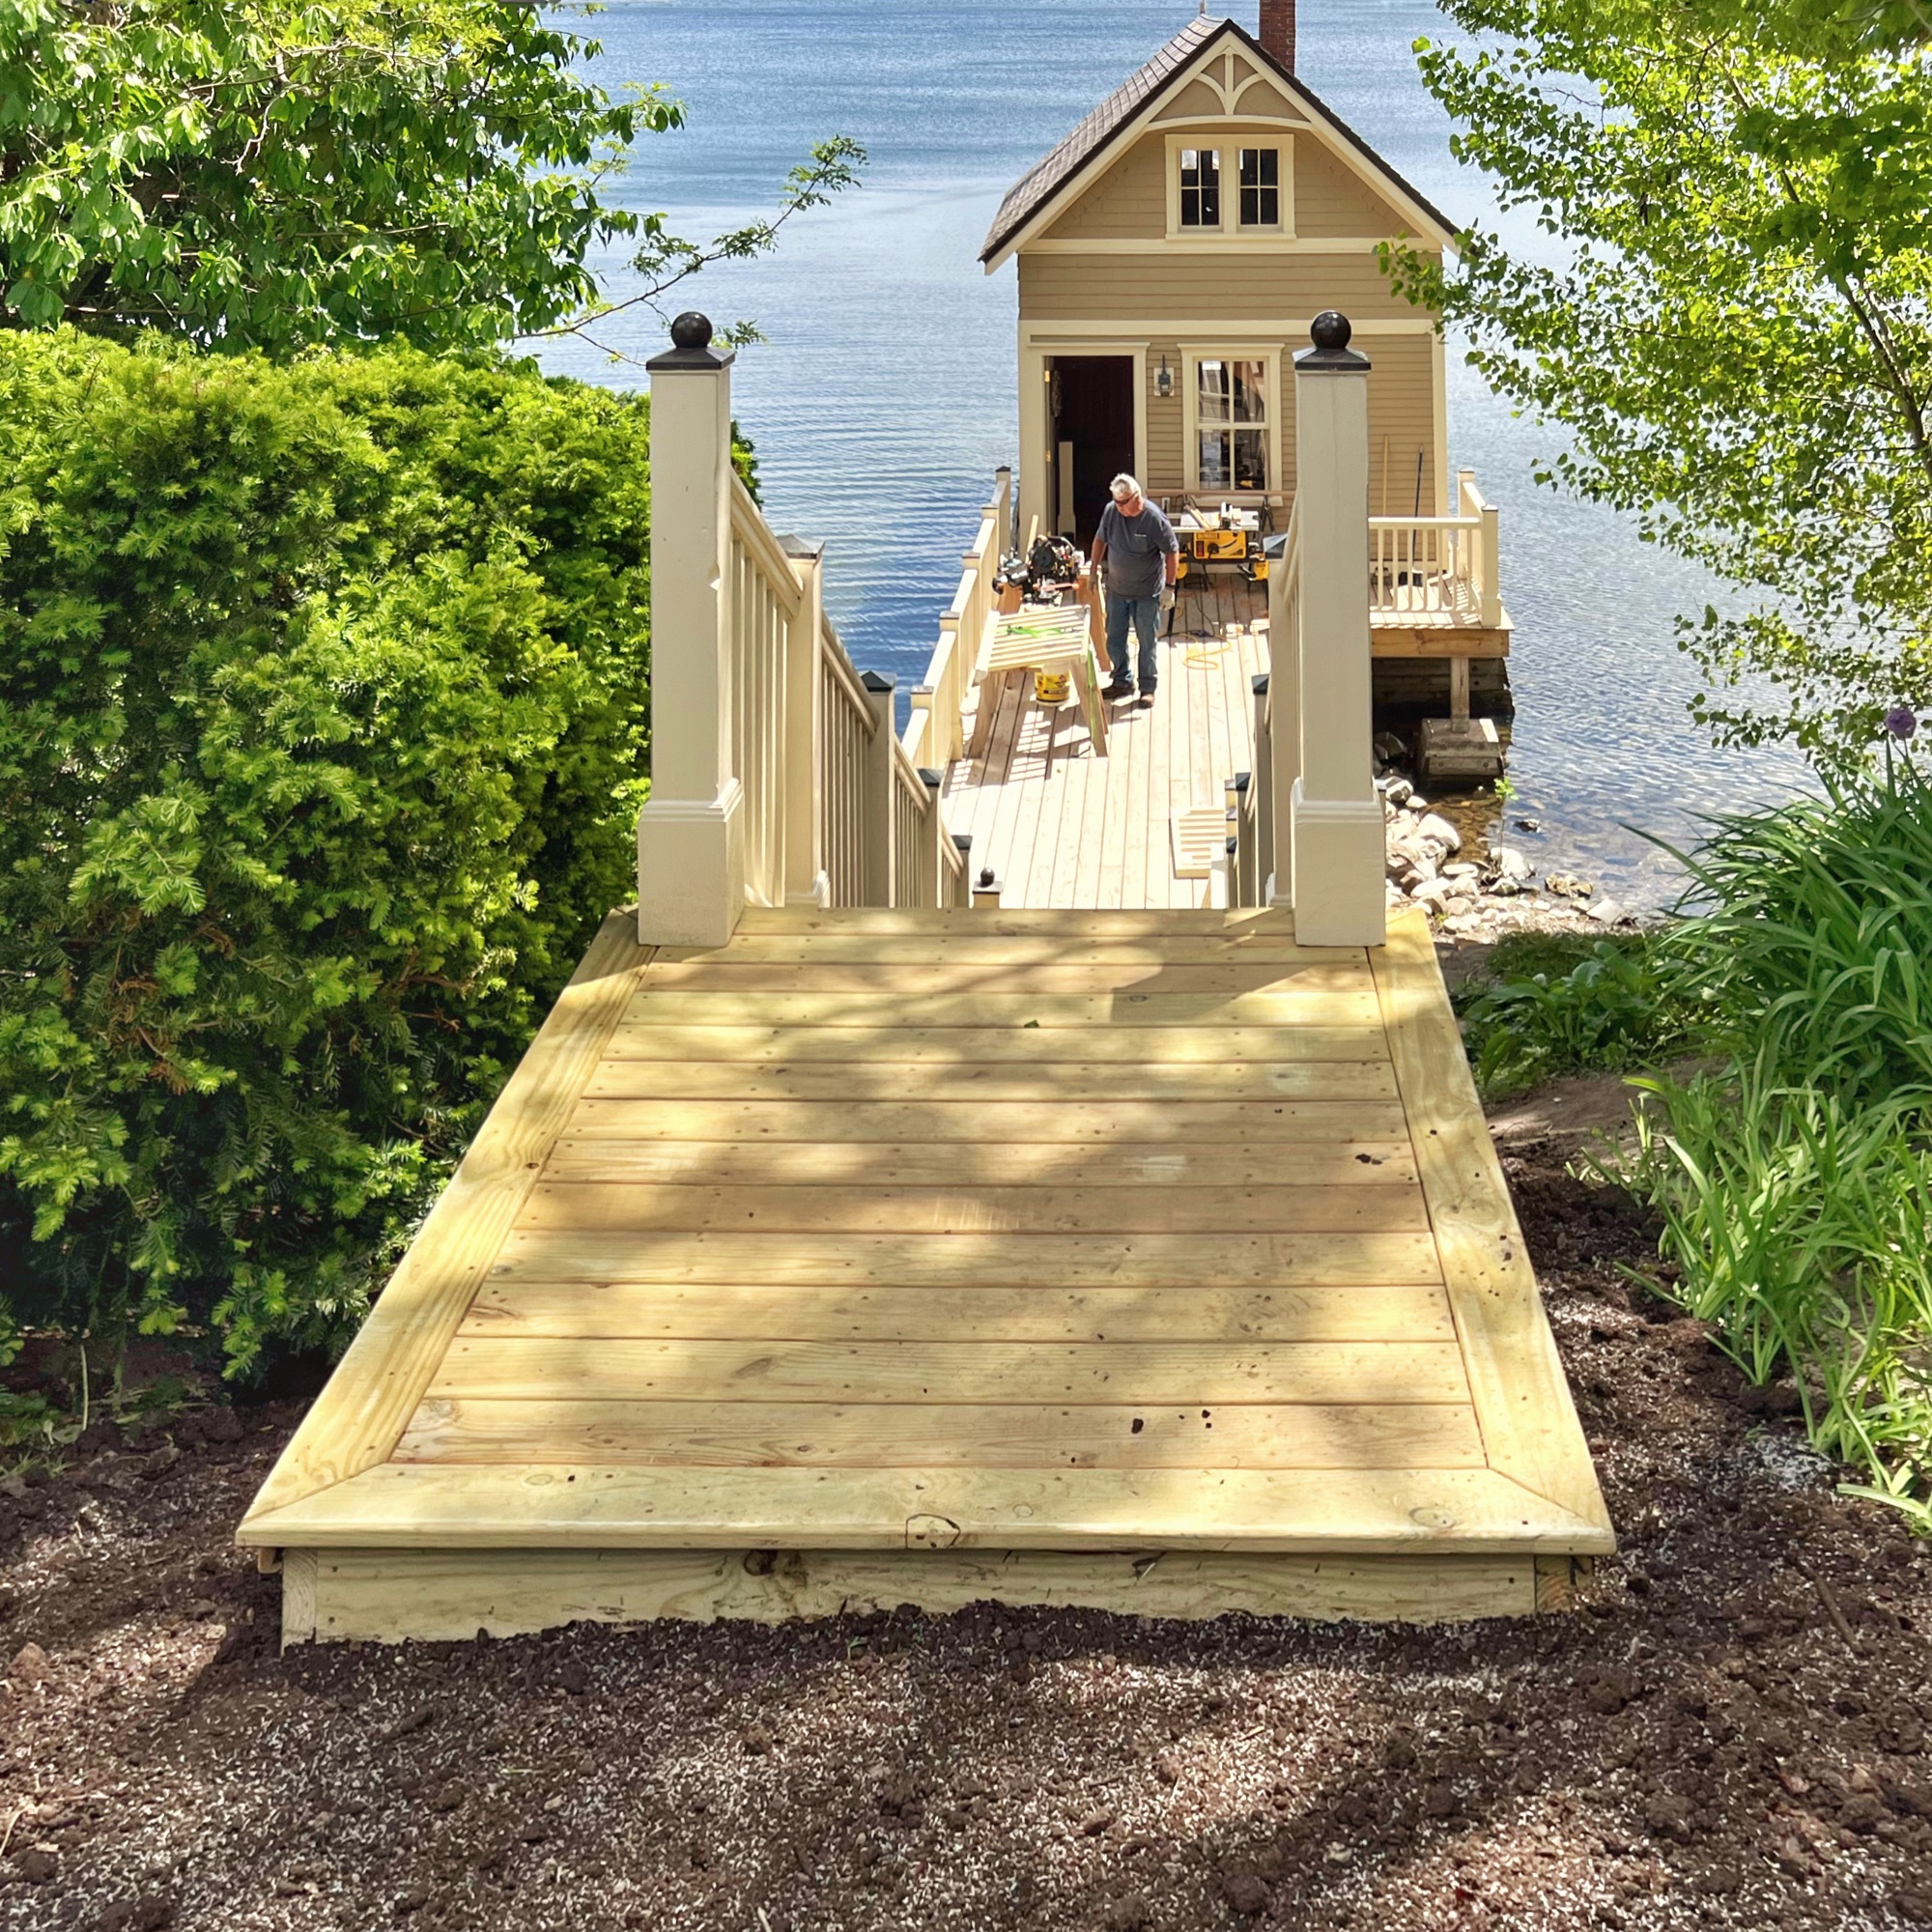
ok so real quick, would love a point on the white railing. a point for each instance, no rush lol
(776, 775)
(1437, 569)
(935, 733)
(762, 612)
(846, 728)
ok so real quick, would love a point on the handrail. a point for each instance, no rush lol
(749, 527)
(1438, 568)
(833, 650)
(777, 777)
(935, 733)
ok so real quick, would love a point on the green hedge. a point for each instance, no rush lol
(323, 730)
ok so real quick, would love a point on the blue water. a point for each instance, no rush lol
(884, 396)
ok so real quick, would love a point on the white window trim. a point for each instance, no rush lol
(1230, 234)
(1192, 355)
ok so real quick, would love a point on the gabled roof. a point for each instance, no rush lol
(1139, 95)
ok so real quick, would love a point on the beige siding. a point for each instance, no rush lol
(1247, 285)
(1331, 199)
(1166, 466)
(1128, 203)
(1129, 200)
(1402, 422)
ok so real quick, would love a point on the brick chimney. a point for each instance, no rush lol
(1277, 34)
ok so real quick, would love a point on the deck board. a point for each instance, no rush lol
(1045, 1234)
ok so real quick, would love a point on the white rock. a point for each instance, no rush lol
(1606, 912)
(1435, 826)
(1433, 891)
(1462, 869)
(1510, 864)
(1400, 791)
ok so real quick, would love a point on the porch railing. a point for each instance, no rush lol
(1441, 569)
(935, 733)
(777, 777)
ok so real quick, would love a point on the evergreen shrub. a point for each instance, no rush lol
(323, 730)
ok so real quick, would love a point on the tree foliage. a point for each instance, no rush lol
(279, 172)
(322, 714)
(1734, 320)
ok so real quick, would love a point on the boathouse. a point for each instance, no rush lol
(1172, 252)
(855, 1234)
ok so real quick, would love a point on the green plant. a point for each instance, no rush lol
(1812, 946)
(1801, 1226)
(1731, 321)
(280, 172)
(323, 710)
(1615, 1009)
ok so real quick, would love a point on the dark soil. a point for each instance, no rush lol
(1730, 1732)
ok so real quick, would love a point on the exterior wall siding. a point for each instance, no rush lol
(1251, 286)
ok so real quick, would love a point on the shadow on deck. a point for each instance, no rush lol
(1139, 1260)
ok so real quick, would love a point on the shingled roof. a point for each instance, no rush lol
(1141, 91)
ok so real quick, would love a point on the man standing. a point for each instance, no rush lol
(1136, 548)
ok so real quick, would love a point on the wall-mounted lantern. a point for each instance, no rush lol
(1163, 382)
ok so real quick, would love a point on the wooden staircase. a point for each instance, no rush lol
(1141, 1260)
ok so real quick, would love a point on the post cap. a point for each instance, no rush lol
(691, 345)
(1330, 332)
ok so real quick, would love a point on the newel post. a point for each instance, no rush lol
(691, 834)
(1335, 829)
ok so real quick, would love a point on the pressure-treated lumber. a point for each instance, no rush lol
(1071, 1166)
(961, 1261)
(576, 1311)
(383, 1596)
(1529, 1423)
(878, 1287)
(768, 1210)
(1318, 1121)
(1016, 1434)
(1347, 1000)
(1005, 1080)
(1203, 1373)
(920, 1045)
(595, 1506)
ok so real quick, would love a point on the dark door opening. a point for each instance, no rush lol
(1092, 399)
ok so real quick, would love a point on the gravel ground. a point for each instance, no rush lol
(1730, 1732)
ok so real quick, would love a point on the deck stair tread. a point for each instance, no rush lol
(1040, 1233)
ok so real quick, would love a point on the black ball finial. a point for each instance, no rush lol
(691, 331)
(1330, 331)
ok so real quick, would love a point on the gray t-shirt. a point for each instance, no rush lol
(1135, 546)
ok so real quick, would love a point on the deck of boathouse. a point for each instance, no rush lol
(866, 1247)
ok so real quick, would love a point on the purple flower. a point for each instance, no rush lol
(1900, 721)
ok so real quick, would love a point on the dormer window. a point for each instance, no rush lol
(1200, 187)
(1260, 187)
(1223, 196)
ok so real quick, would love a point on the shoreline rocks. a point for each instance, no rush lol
(1483, 898)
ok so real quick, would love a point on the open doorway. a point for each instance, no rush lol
(1091, 403)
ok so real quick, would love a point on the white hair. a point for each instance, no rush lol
(1123, 487)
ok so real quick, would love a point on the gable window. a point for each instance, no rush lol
(1230, 421)
(1260, 187)
(1200, 187)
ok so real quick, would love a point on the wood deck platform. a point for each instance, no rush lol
(1063, 827)
(1142, 1259)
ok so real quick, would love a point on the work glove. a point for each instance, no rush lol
(1167, 597)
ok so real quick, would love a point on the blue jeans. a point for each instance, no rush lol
(1144, 615)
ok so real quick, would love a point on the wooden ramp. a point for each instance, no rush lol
(1141, 1260)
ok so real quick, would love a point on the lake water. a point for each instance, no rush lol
(884, 397)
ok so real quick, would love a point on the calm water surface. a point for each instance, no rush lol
(884, 397)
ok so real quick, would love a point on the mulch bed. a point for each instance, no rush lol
(1730, 1732)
